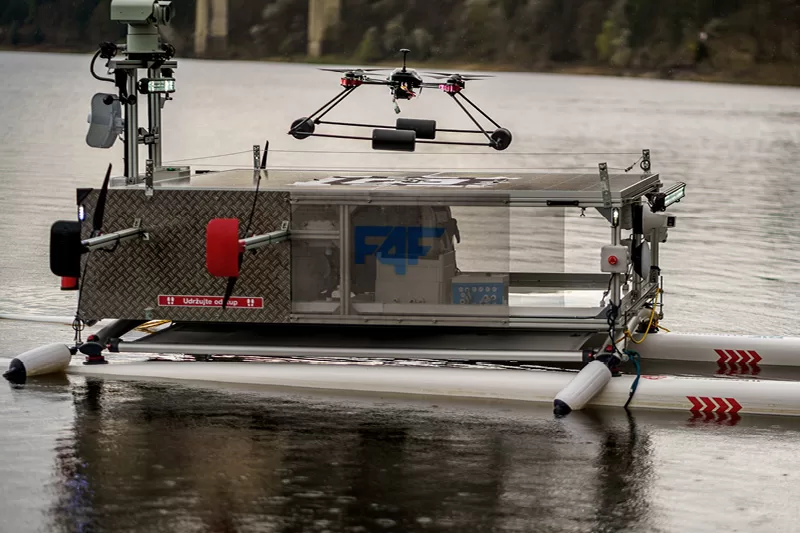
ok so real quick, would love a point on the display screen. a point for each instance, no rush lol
(159, 85)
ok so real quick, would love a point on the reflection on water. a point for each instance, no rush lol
(162, 458)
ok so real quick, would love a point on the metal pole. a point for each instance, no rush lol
(616, 235)
(344, 259)
(653, 253)
(154, 120)
(132, 132)
(111, 239)
(636, 240)
(273, 237)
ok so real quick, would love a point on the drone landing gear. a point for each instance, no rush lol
(406, 132)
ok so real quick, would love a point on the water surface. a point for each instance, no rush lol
(89, 455)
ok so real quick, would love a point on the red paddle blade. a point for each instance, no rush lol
(222, 247)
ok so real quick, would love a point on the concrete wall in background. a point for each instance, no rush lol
(211, 28)
(322, 14)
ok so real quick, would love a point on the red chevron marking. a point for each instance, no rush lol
(722, 404)
(735, 406)
(696, 405)
(749, 357)
(706, 404)
(709, 406)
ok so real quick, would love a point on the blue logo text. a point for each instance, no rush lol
(398, 246)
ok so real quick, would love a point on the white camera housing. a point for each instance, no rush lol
(157, 12)
(143, 18)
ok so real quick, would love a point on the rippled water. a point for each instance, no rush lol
(104, 456)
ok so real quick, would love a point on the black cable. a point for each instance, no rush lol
(78, 323)
(354, 124)
(331, 136)
(443, 130)
(91, 69)
(339, 101)
(477, 124)
(454, 143)
(330, 104)
(253, 207)
(232, 280)
(496, 125)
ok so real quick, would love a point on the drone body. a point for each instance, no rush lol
(404, 84)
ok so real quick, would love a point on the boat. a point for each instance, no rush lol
(412, 265)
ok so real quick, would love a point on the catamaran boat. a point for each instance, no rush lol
(376, 265)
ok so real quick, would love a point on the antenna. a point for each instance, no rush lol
(405, 52)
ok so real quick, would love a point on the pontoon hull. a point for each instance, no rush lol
(703, 396)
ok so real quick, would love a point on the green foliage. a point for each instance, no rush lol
(527, 33)
(369, 49)
(604, 43)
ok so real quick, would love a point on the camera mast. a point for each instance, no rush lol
(143, 50)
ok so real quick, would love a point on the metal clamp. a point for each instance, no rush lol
(605, 185)
(645, 164)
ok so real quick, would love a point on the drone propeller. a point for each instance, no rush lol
(468, 77)
(353, 70)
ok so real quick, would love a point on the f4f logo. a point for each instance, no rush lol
(398, 246)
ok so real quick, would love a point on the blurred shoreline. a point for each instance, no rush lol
(770, 74)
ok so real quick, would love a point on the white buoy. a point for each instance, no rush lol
(583, 387)
(47, 359)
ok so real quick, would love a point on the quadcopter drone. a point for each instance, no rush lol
(404, 84)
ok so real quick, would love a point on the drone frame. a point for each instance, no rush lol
(406, 132)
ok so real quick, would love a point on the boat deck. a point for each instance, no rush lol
(458, 187)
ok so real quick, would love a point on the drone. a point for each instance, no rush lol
(404, 84)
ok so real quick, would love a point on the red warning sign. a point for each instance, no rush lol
(235, 302)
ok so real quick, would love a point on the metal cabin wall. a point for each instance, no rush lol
(127, 282)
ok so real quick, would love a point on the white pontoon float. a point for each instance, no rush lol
(415, 264)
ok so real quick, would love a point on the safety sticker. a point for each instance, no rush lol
(236, 302)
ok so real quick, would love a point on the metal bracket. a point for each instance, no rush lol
(147, 138)
(605, 184)
(137, 223)
(285, 225)
(256, 157)
(148, 178)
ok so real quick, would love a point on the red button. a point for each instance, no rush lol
(612, 260)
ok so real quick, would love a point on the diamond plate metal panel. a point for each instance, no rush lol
(127, 282)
